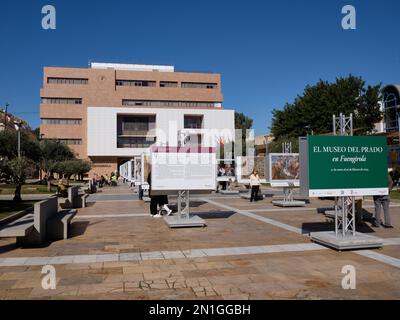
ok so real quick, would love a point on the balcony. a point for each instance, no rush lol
(136, 128)
(135, 142)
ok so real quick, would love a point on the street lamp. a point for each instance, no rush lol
(17, 125)
(309, 128)
(5, 115)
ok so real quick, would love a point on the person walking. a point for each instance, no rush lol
(254, 185)
(157, 203)
(383, 201)
(154, 200)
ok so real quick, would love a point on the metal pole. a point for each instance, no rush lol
(19, 143)
(5, 117)
(334, 125)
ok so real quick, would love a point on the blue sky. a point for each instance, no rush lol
(266, 51)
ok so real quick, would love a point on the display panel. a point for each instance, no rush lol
(246, 165)
(183, 168)
(283, 169)
(226, 170)
(345, 165)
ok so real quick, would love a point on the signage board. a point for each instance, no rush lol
(183, 168)
(245, 166)
(226, 170)
(283, 169)
(343, 166)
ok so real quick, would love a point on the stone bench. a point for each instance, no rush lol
(30, 230)
(83, 200)
(58, 225)
(44, 223)
(18, 228)
(74, 199)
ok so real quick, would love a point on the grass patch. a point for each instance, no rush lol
(27, 189)
(8, 207)
(395, 194)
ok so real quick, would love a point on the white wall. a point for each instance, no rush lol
(102, 128)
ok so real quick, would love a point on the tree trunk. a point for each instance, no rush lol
(17, 193)
(48, 183)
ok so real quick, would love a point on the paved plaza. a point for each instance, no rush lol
(247, 251)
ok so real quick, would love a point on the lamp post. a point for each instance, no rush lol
(5, 115)
(17, 125)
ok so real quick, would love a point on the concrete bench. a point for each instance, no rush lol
(18, 228)
(30, 230)
(58, 225)
(83, 200)
(73, 200)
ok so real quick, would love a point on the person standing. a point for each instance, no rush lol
(154, 201)
(254, 185)
(383, 201)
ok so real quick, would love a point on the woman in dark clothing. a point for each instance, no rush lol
(160, 200)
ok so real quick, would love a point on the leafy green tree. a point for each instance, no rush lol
(243, 123)
(77, 167)
(52, 153)
(313, 110)
(14, 169)
(20, 168)
(9, 145)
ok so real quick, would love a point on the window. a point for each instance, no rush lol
(135, 142)
(61, 100)
(135, 125)
(69, 141)
(61, 121)
(52, 80)
(135, 83)
(193, 121)
(156, 103)
(168, 84)
(199, 85)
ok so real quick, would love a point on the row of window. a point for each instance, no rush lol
(135, 83)
(52, 80)
(199, 85)
(61, 121)
(154, 103)
(166, 84)
(126, 102)
(71, 141)
(61, 100)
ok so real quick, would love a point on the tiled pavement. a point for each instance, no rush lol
(117, 252)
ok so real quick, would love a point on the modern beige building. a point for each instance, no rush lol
(108, 113)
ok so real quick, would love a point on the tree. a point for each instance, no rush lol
(312, 112)
(243, 123)
(276, 145)
(12, 168)
(9, 145)
(53, 152)
(20, 168)
(70, 167)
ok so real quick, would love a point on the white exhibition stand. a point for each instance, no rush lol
(183, 170)
(183, 218)
(344, 237)
(229, 190)
(288, 200)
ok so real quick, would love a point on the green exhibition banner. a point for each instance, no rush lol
(347, 166)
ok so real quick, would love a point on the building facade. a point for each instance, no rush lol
(109, 113)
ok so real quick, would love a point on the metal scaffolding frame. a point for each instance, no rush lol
(345, 213)
(286, 147)
(183, 204)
